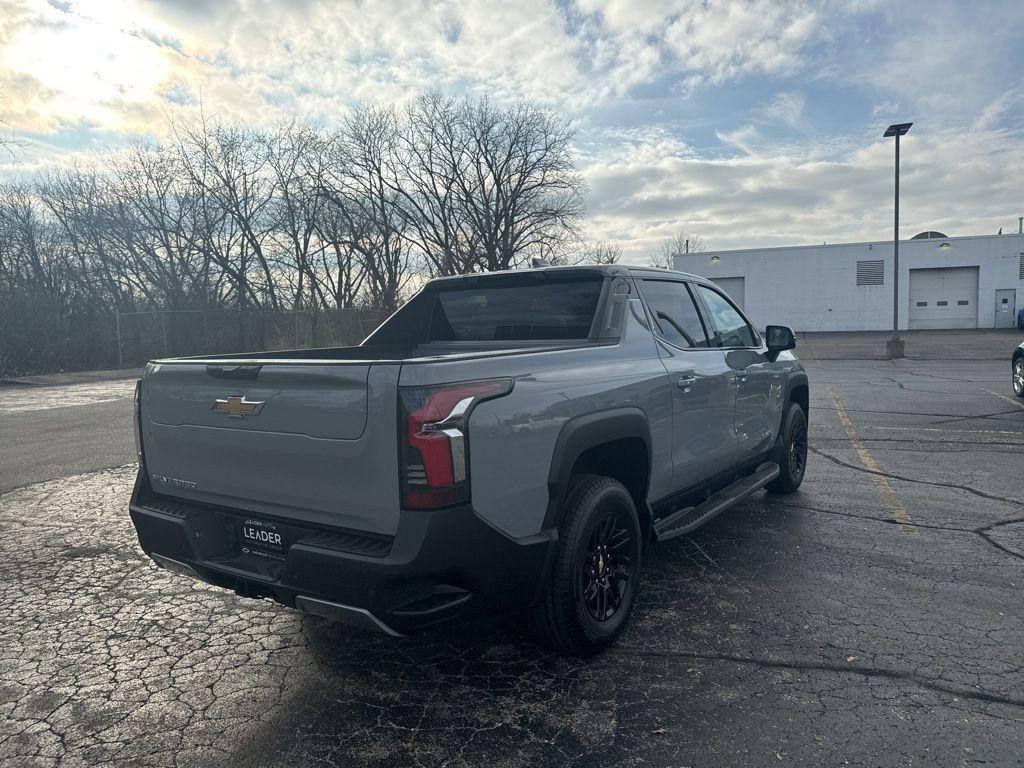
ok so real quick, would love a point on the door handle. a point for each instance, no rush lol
(683, 382)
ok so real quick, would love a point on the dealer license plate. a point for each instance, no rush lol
(263, 539)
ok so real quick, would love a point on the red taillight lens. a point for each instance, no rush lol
(435, 440)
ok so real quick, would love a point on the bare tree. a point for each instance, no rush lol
(20, 261)
(361, 187)
(9, 141)
(340, 266)
(296, 156)
(230, 166)
(579, 252)
(485, 188)
(227, 217)
(156, 226)
(522, 191)
(677, 245)
(46, 298)
(602, 253)
(80, 201)
(432, 162)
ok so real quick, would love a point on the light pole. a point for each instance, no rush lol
(894, 347)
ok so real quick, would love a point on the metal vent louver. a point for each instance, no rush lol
(871, 272)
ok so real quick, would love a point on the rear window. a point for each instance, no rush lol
(534, 312)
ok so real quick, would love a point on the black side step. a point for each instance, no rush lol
(689, 518)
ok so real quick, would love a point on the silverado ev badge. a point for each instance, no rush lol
(237, 407)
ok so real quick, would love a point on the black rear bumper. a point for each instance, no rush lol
(440, 565)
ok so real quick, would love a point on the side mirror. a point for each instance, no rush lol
(779, 338)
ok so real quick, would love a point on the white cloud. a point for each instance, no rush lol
(745, 138)
(643, 190)
(254, 59)
(944, 60)
(835, 70)
(702, 42)
(723, 40)
(786, 108)
(885, 108)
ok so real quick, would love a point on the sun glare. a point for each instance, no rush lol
(89, 68)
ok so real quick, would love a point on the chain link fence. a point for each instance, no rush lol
(143, 336)
(38, 336)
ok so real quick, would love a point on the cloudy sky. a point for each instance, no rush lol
(749, 123)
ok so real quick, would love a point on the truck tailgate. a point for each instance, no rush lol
(291, 440)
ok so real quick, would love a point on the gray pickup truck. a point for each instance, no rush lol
(506, 442)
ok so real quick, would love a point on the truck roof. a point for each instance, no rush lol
(581, 269)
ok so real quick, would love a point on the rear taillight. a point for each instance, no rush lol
(434, 440)
(137, 421)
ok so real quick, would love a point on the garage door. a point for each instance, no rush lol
(732, 286)
(944, 298)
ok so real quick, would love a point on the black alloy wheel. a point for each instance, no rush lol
(604, 576)
(595, 576)
(791, 451)
(798, 448)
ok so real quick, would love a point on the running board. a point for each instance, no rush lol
(689, 518)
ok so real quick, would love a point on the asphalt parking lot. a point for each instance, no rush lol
(874, 618)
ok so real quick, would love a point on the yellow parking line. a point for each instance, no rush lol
(1004, 397)
(885, 490)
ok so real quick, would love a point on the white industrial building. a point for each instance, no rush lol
(945, 282)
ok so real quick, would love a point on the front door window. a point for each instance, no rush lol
(731, 330)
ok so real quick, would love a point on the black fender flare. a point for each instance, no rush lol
(582, 433)
(797, 379)
(794, 379)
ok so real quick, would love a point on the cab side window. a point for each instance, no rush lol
(675, 313)
(731, 330)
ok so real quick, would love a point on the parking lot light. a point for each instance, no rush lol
(894, 347)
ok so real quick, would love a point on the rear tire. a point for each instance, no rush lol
(587, 601)
(1018, 376)
(791, 451)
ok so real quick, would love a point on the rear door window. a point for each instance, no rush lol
(731, 330)
(675, 313)
(562, 309)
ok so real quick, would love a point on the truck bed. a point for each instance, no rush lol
(381, 353)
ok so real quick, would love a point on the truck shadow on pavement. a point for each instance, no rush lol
(465, 693)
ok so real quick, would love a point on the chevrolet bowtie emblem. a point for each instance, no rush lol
(237, 406)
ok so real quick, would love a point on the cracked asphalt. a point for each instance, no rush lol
(824, 628)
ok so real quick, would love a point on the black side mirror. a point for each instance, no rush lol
(779, 338)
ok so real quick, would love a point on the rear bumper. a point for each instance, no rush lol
(441, 565)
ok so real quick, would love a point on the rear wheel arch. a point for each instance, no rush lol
(614, 444)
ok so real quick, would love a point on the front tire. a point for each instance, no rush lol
(1018, 376)
(791, 453)
(588, 600)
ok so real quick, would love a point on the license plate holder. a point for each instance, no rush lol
(262, 538)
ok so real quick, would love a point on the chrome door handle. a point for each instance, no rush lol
(686, 381)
